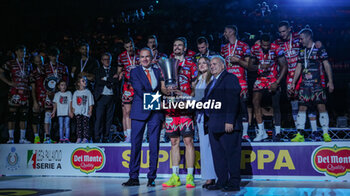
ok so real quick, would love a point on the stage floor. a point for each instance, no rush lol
(112, 186)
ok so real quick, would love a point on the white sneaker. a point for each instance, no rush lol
(260, 136)
(24, 141)
(11, 141)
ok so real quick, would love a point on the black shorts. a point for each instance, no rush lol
(309, 96)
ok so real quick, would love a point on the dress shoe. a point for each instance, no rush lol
(214, 187)
(205, 186)
(151, 183)
(132, 182)
(230, 189)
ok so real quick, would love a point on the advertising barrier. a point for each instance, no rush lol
(309, 160)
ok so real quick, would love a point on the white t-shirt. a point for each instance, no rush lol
(82, 100)
(63, 101)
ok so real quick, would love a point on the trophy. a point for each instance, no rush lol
(169, 67)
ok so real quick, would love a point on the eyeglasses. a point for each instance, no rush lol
(106, 59)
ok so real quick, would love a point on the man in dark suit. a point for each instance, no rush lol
(144, 79)
(224, 126)
(105, 94)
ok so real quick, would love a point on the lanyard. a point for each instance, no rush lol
(229, 49)
(54, 71)
(131, 62)
(21, 68)
(289, 50)
(308, 57)
(38, 69)
(81, 64)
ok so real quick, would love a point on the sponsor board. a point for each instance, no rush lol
(44, 159)
(313, 160)
(332, 161)
(12, 160)
(88, 160)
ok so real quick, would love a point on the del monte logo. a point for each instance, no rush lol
(334, 161)
(88, 160)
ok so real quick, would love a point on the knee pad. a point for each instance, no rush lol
(47, 119)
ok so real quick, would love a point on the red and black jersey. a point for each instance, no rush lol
(312, 70)
(291, 49)
(240, 50)
(20, 74)
(187, 74)
(128, 62)
(267, 62)
(37, 78)
(59, 71)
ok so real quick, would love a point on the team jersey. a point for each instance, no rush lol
(128, 62)
(291, 49)
(240, 50)
(209, 54)
(312, 70)
(187, 74)
(267, 63)
(20, 74)
(58, 71)
(37, 78)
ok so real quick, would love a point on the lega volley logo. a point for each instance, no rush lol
(333, 161)
(12, 160)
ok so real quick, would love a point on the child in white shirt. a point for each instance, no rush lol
(82, 104)
(62, 103)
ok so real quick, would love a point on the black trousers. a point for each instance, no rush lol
(226, 150)
(104, 116)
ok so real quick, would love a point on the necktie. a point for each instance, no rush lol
(211, 87)
(149, 76)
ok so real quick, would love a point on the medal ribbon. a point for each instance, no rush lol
(308, 57)
(81, 64)
(131, 62)
(21, 68)
(54, 71)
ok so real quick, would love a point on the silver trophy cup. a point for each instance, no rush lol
(169, 67)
